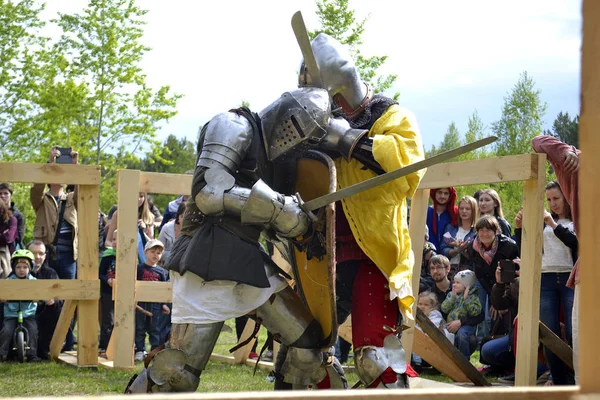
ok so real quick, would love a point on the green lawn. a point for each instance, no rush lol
(52, 379)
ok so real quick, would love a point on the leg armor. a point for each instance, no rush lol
(177, 368)
(378, 354)
(300, 361)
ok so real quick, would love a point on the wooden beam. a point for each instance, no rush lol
(154, 182)
(57, 289)
(87, 268)
(452, 352)
(157, 292)
(50, 173)
(62, 326)
(493, 393)
(556, 345)
(430, 352)
(127, 246)
(418, 220)
(490, 170)
(241, 354)
(531, 273)
(589, 189)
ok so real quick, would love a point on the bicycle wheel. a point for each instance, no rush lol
(20, 343)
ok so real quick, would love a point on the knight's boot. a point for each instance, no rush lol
(177, 368)
(382, 366)
(300, 362)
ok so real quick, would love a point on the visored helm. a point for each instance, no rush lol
(295, 122)
(339, 76)
(22, 253)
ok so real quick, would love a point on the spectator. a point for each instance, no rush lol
(147, 314)
(22, 264)
(171, 211)
(428, 304)
(558, 257)
(439, 266)
(48, 311)
(442, 213)
(456, 238)
(490, 204)
(56, 226)
(107, 273)
(565, 162)
(462, 302)
(8, 234)
(102, 227)
(426, 281)
(6, 193)
(145, 223)
(171, 231)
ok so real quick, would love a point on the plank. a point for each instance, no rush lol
(50, 173)
(87, 269)
(531, 273)
(155, 182)
(158, 292)
(490, 170)
(57, 289)
(589, 234)
(493, 393)
(241, 354)
(452, 352)
(418, 220)
(556, 345)
(62, 326)
(430, 352)
(124, 326)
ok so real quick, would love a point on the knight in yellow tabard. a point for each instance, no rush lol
(373, 251)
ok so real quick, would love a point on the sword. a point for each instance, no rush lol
(390, 176)
(305, 47)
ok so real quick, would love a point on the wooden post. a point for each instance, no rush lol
(418, 220)
(241, 355)
(556, 345)
(124, 327)
(62, 326)
(87, 269)
(589, 234)
(531, 272)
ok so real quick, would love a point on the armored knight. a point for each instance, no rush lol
(241, 187)
(373, 252)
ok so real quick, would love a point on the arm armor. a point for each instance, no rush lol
(259, 205)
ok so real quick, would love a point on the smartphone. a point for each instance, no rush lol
(65, 155)
(507, 271)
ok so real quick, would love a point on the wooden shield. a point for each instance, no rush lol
(315, 278)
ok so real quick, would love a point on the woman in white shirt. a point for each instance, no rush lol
(559, 256)
(170, 231)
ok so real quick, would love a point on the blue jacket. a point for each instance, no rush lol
(453, 230)
(11, 308)
(442, 221)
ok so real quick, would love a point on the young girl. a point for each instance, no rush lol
(428, 304)
(456, 238)
(490, 204)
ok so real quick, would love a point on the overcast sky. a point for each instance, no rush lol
(451, 57)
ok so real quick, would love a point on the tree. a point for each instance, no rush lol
(565, 129)
(21, 49)
(339, 21)
(521, 120)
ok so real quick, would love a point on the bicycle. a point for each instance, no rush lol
(21, 337)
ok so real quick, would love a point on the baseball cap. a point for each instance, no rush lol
(154, 243)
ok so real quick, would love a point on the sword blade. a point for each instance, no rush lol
(307, 52)
(390, 176)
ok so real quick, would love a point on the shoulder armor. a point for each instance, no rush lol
(226, 141)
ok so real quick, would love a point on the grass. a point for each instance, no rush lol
(53, 379)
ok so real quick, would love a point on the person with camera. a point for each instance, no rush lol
(56, 222)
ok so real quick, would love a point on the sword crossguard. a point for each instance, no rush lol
(301, 204)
